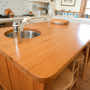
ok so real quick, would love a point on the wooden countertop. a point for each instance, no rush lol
(49, 53)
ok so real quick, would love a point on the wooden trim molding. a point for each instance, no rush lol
(64, 3)
(83, 6)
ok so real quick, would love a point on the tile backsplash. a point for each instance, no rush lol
(19, 7)
(3, 5)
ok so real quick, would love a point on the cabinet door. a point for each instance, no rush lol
(21, 80)
(4, 75)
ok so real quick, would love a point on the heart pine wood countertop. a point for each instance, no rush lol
(48, 54)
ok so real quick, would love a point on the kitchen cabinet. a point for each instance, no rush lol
(21, 80)
(43, 1)
(14, 78)
(4, 74)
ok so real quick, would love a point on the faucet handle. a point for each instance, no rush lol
(26, 20)
(15, 26)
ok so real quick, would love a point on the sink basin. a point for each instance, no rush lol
(26, 34)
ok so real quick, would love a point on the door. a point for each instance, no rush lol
(21, 80)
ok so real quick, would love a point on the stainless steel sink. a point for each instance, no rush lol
(26, 34)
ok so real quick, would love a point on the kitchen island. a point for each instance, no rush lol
(33, 62)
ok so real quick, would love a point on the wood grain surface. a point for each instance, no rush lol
(48, 54)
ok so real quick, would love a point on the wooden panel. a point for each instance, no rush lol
(83, 6)
(22, 81)
(4, 77)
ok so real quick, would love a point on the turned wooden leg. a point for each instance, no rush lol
(38, 85)
(86, 62)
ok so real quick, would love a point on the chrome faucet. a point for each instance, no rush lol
(18, 26)
(25, 21)
(28, 20)
(15, 26)
(16, 30)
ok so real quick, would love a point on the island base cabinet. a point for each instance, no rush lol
(4, 74)
(2, 87)
(21, 80)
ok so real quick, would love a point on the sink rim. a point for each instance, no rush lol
(33, 30)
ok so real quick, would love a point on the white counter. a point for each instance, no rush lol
(80, 20)
(5, 20)
(71, 19)
(34, 19)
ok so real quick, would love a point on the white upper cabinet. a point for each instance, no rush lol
(44, 1)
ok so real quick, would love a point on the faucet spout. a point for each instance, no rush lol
(28, 20)
(24, 22)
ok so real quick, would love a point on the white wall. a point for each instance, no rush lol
(16, 5)
(3, 5)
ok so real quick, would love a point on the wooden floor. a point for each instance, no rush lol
(85, 84)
